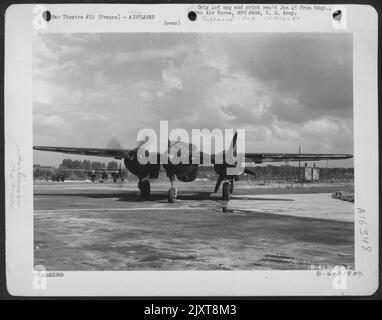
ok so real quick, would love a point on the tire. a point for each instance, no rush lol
(226, 191)
(171, 195)
(144, 187)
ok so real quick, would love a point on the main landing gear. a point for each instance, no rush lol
(144, 187)
(172, 192)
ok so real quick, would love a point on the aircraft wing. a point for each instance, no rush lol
(97, 152)
(286, 157)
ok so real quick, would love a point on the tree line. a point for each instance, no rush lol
(88, 165)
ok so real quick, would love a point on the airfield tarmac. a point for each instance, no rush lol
(106, 226)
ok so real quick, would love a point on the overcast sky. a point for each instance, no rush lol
(285, 90)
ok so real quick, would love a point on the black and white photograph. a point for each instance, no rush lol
(208, 143)
(96, 207)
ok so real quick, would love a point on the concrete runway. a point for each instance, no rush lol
(102, 226)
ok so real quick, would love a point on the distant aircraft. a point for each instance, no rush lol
(92, 173)
(188, 172)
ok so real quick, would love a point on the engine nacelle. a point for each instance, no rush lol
(184, 172)
(187, 172)
(140, 170)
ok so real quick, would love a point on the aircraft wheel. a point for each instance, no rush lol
(226, 193)
(144, 187)
(171, 195)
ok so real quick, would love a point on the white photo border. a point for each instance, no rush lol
(361, 22)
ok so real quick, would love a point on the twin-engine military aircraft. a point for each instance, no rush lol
(187, 172)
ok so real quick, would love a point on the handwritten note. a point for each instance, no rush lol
(16, 175)
(363, 230)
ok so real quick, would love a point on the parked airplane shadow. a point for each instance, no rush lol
(134, 196)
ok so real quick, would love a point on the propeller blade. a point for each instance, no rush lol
(232, 146)
(217, 186)
(234, 139)
(233, 142)
(140, 143)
